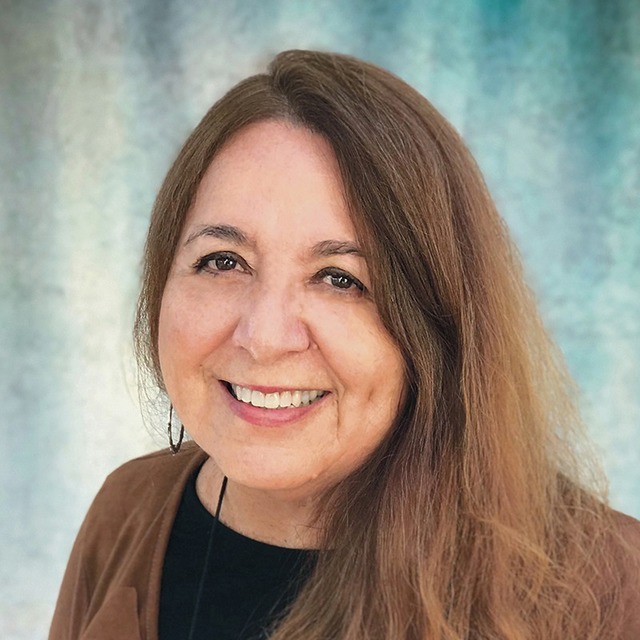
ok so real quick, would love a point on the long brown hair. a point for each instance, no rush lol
(471, 519)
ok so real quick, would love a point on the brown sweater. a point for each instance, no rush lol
(111, 587)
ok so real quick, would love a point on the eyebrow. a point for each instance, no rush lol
(221, 231)
(328, 248)
(323, 249)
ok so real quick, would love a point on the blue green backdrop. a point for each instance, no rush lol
(95, 99)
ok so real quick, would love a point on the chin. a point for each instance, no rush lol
(272, 475)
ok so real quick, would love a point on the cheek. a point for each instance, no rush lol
(366, 362)
(191, 327)
(357, 343)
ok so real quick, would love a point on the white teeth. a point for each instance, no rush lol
(272, 400)
(257, 398)
(286, 399)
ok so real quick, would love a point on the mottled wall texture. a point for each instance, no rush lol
(95, 99)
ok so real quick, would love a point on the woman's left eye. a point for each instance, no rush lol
(340, 280)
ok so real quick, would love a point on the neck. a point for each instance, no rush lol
(275, 517)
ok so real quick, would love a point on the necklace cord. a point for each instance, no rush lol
(205, 567)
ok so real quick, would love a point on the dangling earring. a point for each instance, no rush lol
(175, 447)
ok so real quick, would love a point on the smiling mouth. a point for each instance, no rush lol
(275, 400)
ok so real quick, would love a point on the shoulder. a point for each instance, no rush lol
(153, 471)
(629, 528)
(625, 556)
(625, 547)
(122, 539)
(142, 487)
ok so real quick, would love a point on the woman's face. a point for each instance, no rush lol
(271, 350)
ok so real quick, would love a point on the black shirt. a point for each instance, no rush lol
(248, 584)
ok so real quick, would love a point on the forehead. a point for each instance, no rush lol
(274, 178)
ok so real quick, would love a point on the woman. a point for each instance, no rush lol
(381, 425)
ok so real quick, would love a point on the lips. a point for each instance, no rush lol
(264, 406)
(284, 399)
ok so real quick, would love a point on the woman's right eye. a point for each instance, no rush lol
(219, 261)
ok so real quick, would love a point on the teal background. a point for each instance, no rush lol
(95, 99)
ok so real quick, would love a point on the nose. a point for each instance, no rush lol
(271, 323)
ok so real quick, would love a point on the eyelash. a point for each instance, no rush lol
(333, 272)
(202, 264)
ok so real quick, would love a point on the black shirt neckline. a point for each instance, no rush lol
(248, 586)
